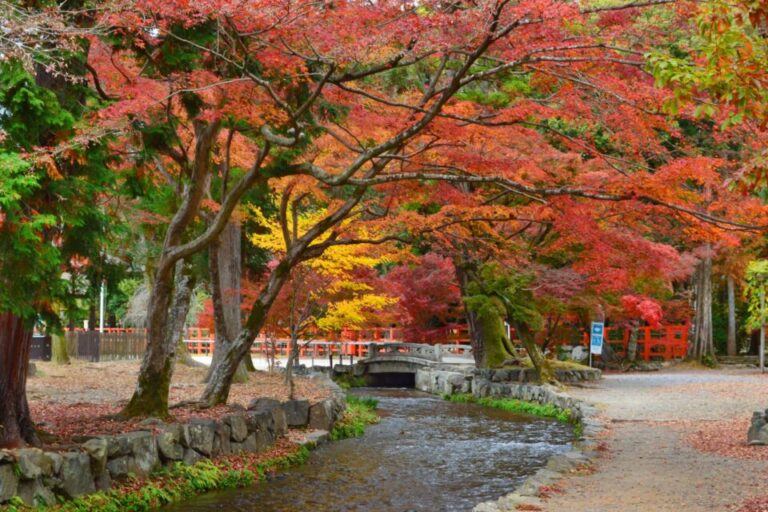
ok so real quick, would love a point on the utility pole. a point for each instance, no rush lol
(102, 305)
(762, 326)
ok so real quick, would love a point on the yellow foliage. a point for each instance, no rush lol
(336, 261)
(354, 303)
(353, 313)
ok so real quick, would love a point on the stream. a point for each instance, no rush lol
(426, 454)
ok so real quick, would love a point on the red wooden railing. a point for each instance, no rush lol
(664, 343)
(669, 342)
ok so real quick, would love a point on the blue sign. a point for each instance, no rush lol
(596, 338)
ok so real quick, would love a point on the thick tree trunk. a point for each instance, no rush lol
(182, 300)
(59, 353)
(703, 345)
(16, 427)
(473, 322)
(223, 372)
(151, 395)
(540, 362)
(731, 347)
(492, 334)
(224, 266)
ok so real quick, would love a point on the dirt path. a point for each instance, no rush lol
(677, 443)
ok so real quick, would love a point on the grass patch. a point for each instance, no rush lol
(519, 406)
(178, 483)
(348, 381)
(358, 415)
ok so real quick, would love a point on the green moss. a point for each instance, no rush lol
(359, 414)
(178, 483)
(519, 406)
(347, 381)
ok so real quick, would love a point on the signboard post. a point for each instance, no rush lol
(596, 340)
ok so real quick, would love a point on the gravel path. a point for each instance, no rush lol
(651, 465)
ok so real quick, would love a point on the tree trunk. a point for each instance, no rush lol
(473, 322)
(16, 427)
(540, 362)
(59, 353)
(182, 299)
(632, 343)
(225, 273)
(223, 372)
(731, 347)
(703, 345)
(151, 395)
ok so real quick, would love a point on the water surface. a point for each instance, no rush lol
(426, 454)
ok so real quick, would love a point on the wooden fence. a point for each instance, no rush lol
(107, 346)
(665, 343)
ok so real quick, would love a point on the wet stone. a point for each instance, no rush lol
(118, 467)
(97, 451)
(191, 456)
(222, 443)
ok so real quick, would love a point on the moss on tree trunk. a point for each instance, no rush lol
(491, 330)
(59, 351)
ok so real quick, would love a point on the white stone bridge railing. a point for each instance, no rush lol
(431, 353)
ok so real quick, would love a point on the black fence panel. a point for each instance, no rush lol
(108, 346)
(88, 346)
(41, 349)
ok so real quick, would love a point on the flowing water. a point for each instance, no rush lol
(426, 454)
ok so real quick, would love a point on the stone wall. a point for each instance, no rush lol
(38, 477)
(501, 383)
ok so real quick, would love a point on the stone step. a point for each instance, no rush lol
(739, 360)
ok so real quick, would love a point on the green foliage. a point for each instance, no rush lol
(756, 287)
(359, 414)
(348, 381)
(497, 99)
(367, 401)
(521, 407)
(178, 483)
(48, 211)
(511, 288)
(709, 360)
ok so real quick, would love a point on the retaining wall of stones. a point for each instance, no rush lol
(502, 383)
(38, 476)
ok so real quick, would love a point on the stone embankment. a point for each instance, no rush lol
(506, 383)
(38, 477)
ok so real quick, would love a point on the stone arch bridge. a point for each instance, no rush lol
(396, 364)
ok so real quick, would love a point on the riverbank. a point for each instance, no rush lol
(80, 399)
(87, 451)
(182, 482)
(677, 440)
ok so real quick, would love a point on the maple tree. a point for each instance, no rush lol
(534, 116)
(429, 298)
(185, 75)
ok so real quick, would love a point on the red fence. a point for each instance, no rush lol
(665, 343)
